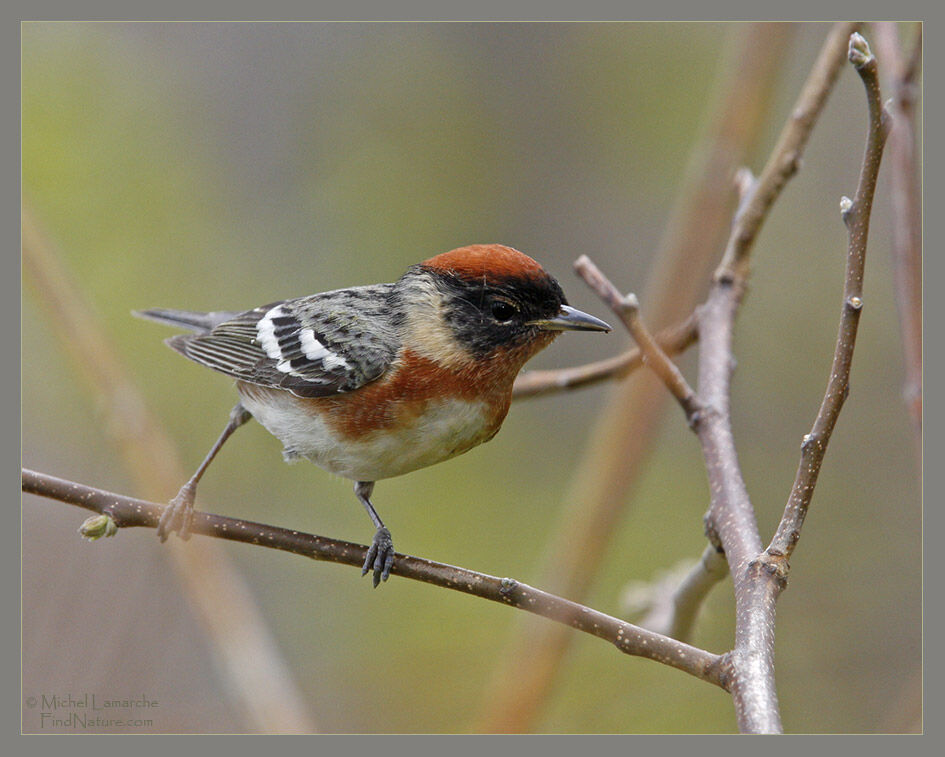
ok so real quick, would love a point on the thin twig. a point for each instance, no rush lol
(127, 512)
(627, 308)
(673, 605)
(731, 519)
(856, 216)
(786, 156)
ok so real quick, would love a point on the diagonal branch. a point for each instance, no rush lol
(676, 611)
(856, 216)
(627, 308)
(786, 156)
(730, 521)
(672, 603)
(127, 512)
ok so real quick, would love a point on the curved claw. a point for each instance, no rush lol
(178, 515)
(380, 557)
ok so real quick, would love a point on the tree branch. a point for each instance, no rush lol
(676, 617)
(730, 521)
(759, 578)
(856, 216)
(127, 512)
(672, 604)
(627, 308)
(731, 524)
(786, 155)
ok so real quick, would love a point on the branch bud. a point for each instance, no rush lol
(859, 51)
(846, 205)
(98, 526)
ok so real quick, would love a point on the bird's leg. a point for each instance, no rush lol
(179, 513)
(380, 556)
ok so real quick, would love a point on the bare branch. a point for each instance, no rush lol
(627, 308)
(856, 216)
(672, 604)
(127, 512)
(731, 524)
(786, 156)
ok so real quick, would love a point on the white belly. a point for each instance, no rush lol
(446, 429)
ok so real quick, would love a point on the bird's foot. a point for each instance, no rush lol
(380, 556)
(178, 515)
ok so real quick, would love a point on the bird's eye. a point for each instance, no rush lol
(502, 310)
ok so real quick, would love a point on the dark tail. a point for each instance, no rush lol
(193, 321)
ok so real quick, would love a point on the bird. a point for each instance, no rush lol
(375, 381)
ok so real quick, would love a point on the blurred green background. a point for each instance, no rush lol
(221, 166)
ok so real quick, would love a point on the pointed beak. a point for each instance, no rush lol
(571, 319)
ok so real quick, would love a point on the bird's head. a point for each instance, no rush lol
(486, 303)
